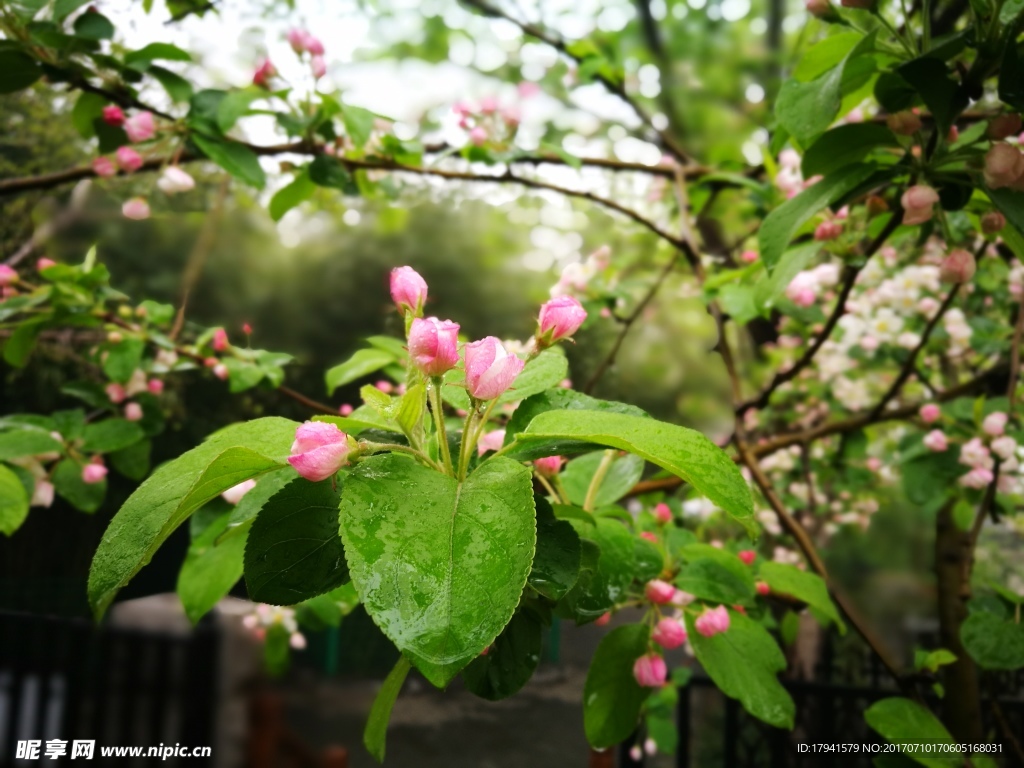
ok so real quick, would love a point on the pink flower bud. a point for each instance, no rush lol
(978, 478)
(265, 70)
(478, 136)
(527, 89)
(865, 5)
(917, 204)
(113, 115)
(873, 463)
(314, 46)
(548, 466)
(115, 393)
(140, 127)
(669, 634)
(128, 160)
(488, 105)
(559, 319)
(408, 290)
(45, 263)
(713, 621)
(211, 362)
(821, 9)
(1004, 165)
(174, 180)
(155, 386)
(490, 369)
(1004, 447)
(603, 619)
(904, 123)
(133, 412)
(297, 39)
(318, 66)
(1003, 127)
(650, 671)
(957, 267)
(748, 257)
(636, 754)
(649, 536)
(221, 371)
(93, 473)
(992, 222)
(220, 340)
(434, 345)
(297, 641)
(492, 441)
(104, 167)
(936, 441)
(762, 588)
(929, 413)
(42, 494)
(663, 513)
(994, 424)
(7, 275)
(345, 409)
(320, 449)
(659, 592)
(748, 556)
(246, 329)
(136, 209)
(234, 494)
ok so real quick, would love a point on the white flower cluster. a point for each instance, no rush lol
(266, 616)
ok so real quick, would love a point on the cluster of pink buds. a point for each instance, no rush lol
(918, 203)
(121, 394)
(488, 122)
(957, 267)
(264, 73)
(266, 616)
(304, 42)
(1004, 167)
(139, 127)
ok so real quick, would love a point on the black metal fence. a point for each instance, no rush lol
(66, 679)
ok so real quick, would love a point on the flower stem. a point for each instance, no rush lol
(597, 479)
(442, 434)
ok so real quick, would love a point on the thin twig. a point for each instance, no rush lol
(197, 257)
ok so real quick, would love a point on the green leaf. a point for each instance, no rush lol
(845, 145)
(88, 107)
(14, 501)
(237, 159)
(743, 662)
(771, 286)
(235, 105)
(252, 502)
(543, 372)
(440, 566)
(943, 96)
(122, 359)
(556, 565)
(804, 586)
(297, 191)
(68, 482)
(825, 55)
(64, 8)
(175, 491)
(133, 461)
(375, 735)
(210, 570)
(1011, 203)
(715, 574)
(110, 435)
(358, 123)
(995, 642)
(362, 363)
(510, 662)
(603, 584)
(143, 57)
(807, 110)
(294, 551)
(782, 223)
(611, 696)
(902, 721)
(27, 441)
(620, 478)
(177, 87)
(684, 452)
(1011, 77)
(327, 171)
(94, 26)
(19, 345)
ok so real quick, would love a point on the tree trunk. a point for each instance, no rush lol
(954, 559)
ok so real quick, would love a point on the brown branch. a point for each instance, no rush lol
(849, 279)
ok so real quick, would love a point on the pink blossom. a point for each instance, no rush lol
(636, 753)
(873, 463)
(220, 340)
(527, 89)
(44, 263)
(748, 556)
(385, 386)
(713, 621)
(548, 466)
(265, 70)
(603, 619)
(802, 289)
(936, 441)
(1004, 447)
(994, 424)
(113, 115)
(174, 181)
(42, 494)
(345, 409)
(1004, 165)
(8, 276)
(762, 588)
(314, 46)
(234, 494)
(491, 441)
(297, 641)
(133, 412)
(155, 386)
(434, 345)
(408, 290)
(221, 371)
(973, 453)
(669, 634)
(957, 267)
(821, 9)
(559, 319)
(1003, 126)
(140, 127)
(663, 513)
(659, 592)
(320, 449)
(488, 105)
(93, 473)
(650, 671)
(929, 413)
(136, 209)
(979, 477)
(128, 160)
(318, 66)
(648, 536)
(115, 393)
(490, 369)
(478, 136)
(297, 39)
(748, 257)
(104, 167)
(918, 202)
(828, 230)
